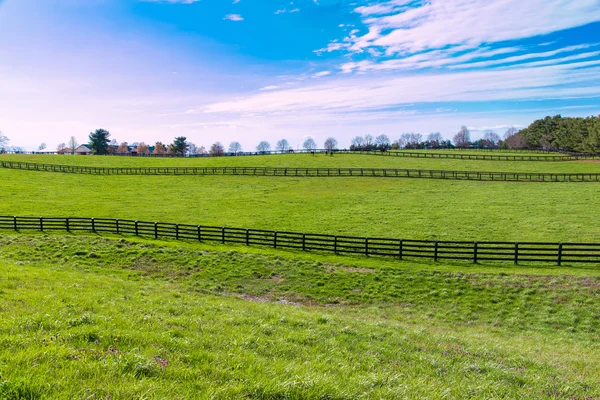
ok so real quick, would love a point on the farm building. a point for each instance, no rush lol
(84, 150)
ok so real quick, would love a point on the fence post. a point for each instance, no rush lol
(93, 225)
(516, 253)
(176, 231)
(156, 230)
(335, 244)
(366, 246)
(560, 248)
(15, 222)
(303, 242)
(223, 235)
(199, 233)
(475, 253)
(247, 237)
(275, 239)
(401, 249)
(136, 229)
(41, 224)
(435, 252)
(117, 225)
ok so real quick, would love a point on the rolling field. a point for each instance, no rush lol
(399, 208)
(97, 317)
(88, 317)
(318, 160)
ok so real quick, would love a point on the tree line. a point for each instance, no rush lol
(100, 143)
(549, 133)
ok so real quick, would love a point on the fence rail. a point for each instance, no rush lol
(574, 155)
(475, 157)
(544, 252)
(311, 172)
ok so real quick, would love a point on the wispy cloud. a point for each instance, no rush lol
(320, 74)
(371, 93)
(233, 17)
(438, 23)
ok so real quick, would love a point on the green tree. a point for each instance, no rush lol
(592, 143)
(180, 145)
(99, 140)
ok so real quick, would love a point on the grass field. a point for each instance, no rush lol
(321, 161)
(90, 317)
(96, 317)
(400, 208)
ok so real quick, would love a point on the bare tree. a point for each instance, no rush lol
(192, 149)
(462, 138)
(491, 139)
(330, 144)
(123, 148)
(202, 150)
(282, 145)
(159, 149)
(41, 147)
(61, 148)
(217, 149)
(73, 145)
(263, 146)
(235, 147)
(357, 141)
(142, 149)
(415, 138)
(404, 140)
(515, 141)
(510, 132)
(435, 138)
(309, 144)
(3, 142)
(368, 139)
(383, 141)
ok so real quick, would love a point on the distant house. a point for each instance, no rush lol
(83, 150)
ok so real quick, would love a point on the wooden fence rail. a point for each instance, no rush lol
(543, 252)
(475, 157)
(312, 172)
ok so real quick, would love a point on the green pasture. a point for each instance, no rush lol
(84, 316)
(376, 207)
(91, 317)
(318, 161)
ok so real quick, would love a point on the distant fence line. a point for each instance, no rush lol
(422, 153)
(477, 157)
(311, 172)
(545, 252)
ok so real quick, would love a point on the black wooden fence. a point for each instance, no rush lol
(544, 252)
(426, 153)
(312, 172)
(476, 157)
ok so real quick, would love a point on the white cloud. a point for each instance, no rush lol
(437, 24)
(270, 87)
(233, 17)
(371, 93)
(320, 74)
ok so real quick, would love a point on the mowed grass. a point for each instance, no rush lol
(91, 317)
(376, 207)
(318, 161)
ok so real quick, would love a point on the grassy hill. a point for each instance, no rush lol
(400, 208)
(107, 317)
(96, 317)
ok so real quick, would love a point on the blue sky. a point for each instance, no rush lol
(253, 70)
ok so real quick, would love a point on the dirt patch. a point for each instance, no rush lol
(358, 270)
(335, 268)
(262, 299)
